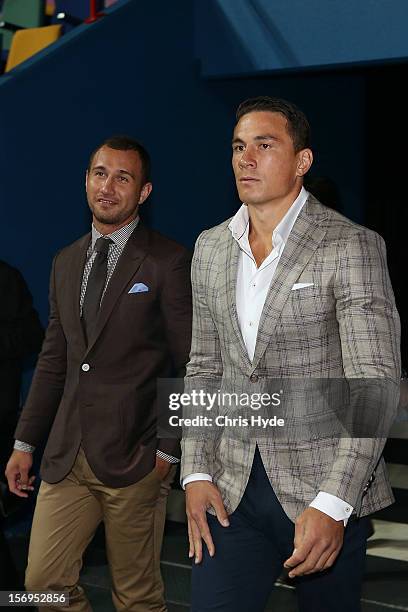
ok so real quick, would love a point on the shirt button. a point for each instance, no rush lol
(254, 284)
(347, 509)
(254, 378)
(85, 367)
(250, 324)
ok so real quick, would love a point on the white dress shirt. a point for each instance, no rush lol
(252, 288)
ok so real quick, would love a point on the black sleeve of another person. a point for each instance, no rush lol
(21, 334)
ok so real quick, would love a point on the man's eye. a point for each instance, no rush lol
(122, 179)
(237, 148)
(98, 173)
(265, 146)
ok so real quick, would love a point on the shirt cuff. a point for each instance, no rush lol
(333, 506)
(23, 446)
(167, 457)
(195, 477)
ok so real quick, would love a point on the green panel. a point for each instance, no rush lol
(27, 13)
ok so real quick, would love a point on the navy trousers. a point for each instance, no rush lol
(249, 557)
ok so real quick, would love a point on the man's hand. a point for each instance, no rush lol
(162, 467)
(17, 473)
(318, 541)
(201, 495)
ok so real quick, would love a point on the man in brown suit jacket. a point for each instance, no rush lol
(94, 391)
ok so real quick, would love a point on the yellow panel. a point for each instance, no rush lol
(27, 42)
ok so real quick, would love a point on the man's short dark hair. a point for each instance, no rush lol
(125, 143)
(297, 124)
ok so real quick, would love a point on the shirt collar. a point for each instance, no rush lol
(119, 237)
(239, 224)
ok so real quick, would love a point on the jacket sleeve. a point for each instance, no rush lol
(176, 309)
(205, 363)
(49, 378)
(370, 339)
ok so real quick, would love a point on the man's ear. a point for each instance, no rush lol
(145, 192)
(305, 160)
(86, 179)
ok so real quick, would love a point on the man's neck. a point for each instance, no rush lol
(106, 229)
(264, 218)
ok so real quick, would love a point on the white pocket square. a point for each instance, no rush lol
(301, 286)
(139, 288)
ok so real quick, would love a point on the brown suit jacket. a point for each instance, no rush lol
(109, 407)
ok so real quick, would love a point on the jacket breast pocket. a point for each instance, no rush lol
(136, 298)
(139, 293)
(309, 304)
(139, 309)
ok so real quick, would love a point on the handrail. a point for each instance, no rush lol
(94, 14)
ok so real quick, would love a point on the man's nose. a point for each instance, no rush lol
(108, 185)
(247, 159)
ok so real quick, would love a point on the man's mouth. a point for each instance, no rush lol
(106, 201)
(248, 179)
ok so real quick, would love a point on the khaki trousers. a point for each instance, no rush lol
(65, 520)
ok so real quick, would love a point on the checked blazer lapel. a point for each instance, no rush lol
(229, 258)
(129, 262)
(305, 237)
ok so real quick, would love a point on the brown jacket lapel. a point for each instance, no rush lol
(77, 268)
(130, 260)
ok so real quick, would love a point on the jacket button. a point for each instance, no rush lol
(254, 378)
(85, 367)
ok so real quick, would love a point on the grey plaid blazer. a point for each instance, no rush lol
(344, 326)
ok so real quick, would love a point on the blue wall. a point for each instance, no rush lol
(135, 72)
(249, 36)
(125, 74)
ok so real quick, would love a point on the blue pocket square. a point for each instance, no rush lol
(139, 288)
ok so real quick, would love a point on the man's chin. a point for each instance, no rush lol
(108, 219)
(245, 195)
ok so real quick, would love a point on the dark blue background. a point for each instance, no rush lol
(139, 71)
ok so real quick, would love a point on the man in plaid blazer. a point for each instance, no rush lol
(286, 289)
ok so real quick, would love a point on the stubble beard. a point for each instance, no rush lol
(107, 219)
(113, 217)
